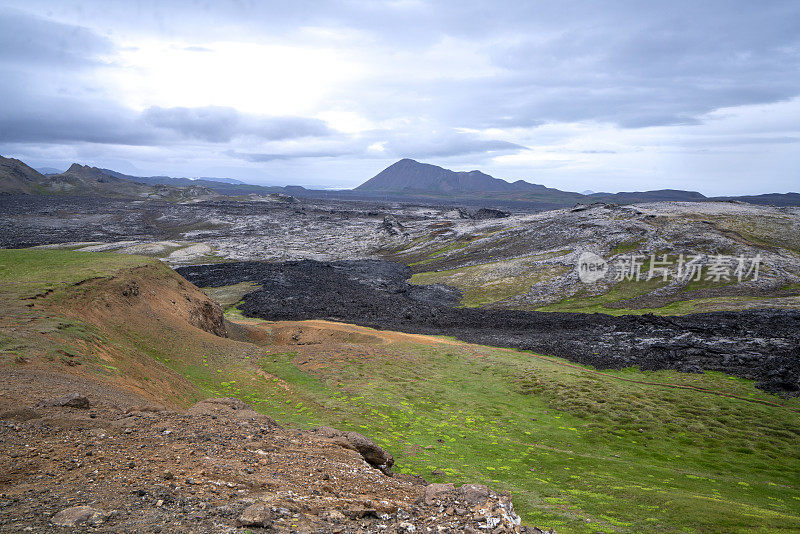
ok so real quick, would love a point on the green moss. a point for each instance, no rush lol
(31, 271)
(493, 282)
(580, 450)
(228, 296)
(626, 246)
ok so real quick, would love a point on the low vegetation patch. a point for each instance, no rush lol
(581, 450)
(494, 282)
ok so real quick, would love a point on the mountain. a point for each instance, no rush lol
(168, 180)
(771, 199)
(414, 181)
(406, 180)
(48, 170)
(85, 180)
(16, 177)
(632, 197)
(223, 186)
(223, 180)
(410, 176)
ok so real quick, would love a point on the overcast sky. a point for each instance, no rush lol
(605, 95)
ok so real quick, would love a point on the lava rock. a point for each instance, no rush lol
(76, 515)
(377, 294)
(490, 213)
(474, 494)
(438, 492)
(255, 515)
(372, 453)
(72, 400)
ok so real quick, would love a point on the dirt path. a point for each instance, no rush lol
(336, 331)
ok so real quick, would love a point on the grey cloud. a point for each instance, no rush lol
(32, 41)
(447, 146)
(411, 141)
(629, 63)
(256, 157)
(648, 67)
(222, 124)
(633, 64)
(65, 120)
(29, 115)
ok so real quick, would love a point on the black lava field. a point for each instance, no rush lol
(763, 345)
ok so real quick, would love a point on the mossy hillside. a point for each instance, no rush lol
(493, 282)
(582, 451)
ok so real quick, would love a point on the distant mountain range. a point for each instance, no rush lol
(18, 178)
(405, 180)
(177, 182)
(166, 180)
(409, 176)
(411, 179)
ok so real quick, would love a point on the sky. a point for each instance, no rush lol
(577, 95)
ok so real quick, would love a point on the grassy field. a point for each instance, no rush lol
(27, 270)
(581, 450)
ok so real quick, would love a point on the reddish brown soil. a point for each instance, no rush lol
(144, 463)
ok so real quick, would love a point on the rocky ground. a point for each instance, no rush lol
(528, 261)
(761, 345)
(276, 228)
(501, 260)
(104, 462)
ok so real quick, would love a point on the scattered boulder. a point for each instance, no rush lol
(438, 492)
(280, 197)
(474, 494)
(333, 516)
(392, 226)
(131, 289)
(231, 408)
(255, 515)
(72, 400)
(372, 453)
(490, 213)
(77, 515)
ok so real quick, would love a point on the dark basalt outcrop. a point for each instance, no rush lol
(763, 345)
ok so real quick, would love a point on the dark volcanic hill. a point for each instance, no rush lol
(661, 195)
(405, 181)
(16, 177)
(412, 176)
(410, 179)
(223, 186)
(85, 180)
